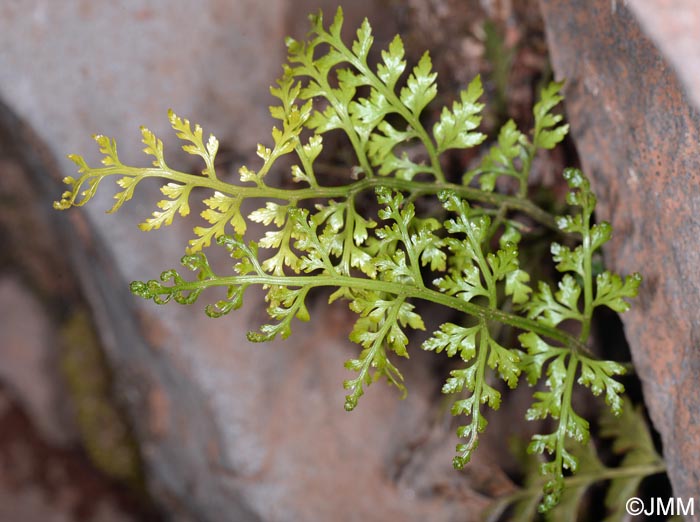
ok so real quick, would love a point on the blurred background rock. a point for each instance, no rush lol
(112, 409)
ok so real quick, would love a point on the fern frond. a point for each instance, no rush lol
(630, 440)
(383, 258)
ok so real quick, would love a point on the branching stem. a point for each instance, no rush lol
(422, 293)
(418, 188)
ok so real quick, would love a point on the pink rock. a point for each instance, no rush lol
(638, 137)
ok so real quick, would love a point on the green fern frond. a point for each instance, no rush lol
(630, 441)
(383, 258)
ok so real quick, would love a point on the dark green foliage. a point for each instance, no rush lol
(631, 443)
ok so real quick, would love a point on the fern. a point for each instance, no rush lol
(383, 262)
(631, 443)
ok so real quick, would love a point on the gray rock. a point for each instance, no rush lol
(27, 349)
(228, 430)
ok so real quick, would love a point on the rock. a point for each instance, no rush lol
(28, 369)
(43, 483)
(228, 430)
(673, 26)
(637, 135)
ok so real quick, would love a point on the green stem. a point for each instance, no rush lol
(349, 236)
(307, 165)
(412, 258)
(398, 289)
(377, 345)
(412, 120)
(485, 270)
(587, 277)
(475, 413)
(348, 127)
(418, 188)
(565, 407)
(580, 479)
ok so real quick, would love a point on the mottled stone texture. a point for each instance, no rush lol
(231, 431)
(639, 139)
(228, 430)
(674, 26)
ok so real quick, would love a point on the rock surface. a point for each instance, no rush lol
(228, 430)
(673, 26)
(231, 431)
(638, 137)
(42, 483)
(27, 351)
